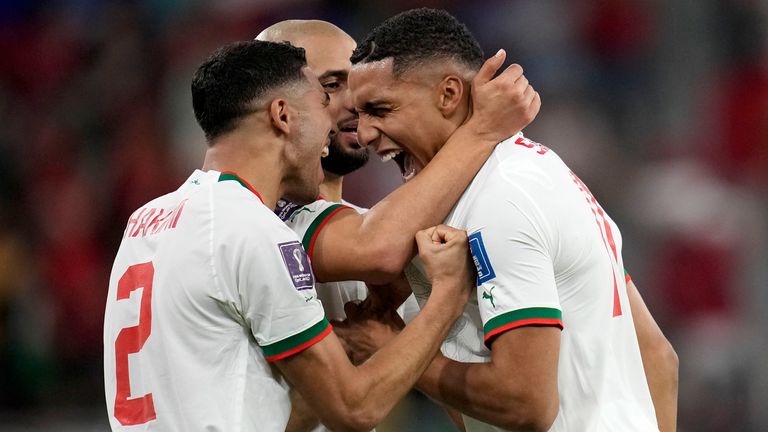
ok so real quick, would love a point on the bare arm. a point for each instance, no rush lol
(302, 418)
(659, 361)
(516, 390)
(381, 240)
(346, 397)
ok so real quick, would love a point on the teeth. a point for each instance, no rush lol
(388, 156)
(409, 175)
(324, 152)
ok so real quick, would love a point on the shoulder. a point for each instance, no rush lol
(289, 212)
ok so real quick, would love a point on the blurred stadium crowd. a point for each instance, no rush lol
(661, 106)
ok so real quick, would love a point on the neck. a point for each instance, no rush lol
(330, 188)
(257, 163)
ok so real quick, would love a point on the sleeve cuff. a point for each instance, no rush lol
(298, 342)
(317, 225)
(520, 318)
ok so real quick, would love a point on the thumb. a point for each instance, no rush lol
(489, 68)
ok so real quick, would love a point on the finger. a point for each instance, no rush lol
(521, 84)
(423, 239)
(535, 106)
(437, 236)
(528, 94)
(489, 68)
(449, 234)
(513, 72)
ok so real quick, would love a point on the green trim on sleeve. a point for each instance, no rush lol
(298, 342)
(316, 224)
(520, 318)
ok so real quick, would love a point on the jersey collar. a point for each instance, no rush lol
(230, 175)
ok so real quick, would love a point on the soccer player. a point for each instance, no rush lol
(212, 309)
(328, 49)
(550, 342)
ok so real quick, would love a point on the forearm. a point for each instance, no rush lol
(302, 418)
(517, 389)
(660, 361)
(390, 373)
(467, 387)
(388, 228)
(661, 373)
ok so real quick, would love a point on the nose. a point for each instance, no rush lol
(346, 100)
(367, 135)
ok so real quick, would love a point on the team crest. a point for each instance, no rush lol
(297, 263)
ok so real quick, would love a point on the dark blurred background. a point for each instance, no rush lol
(660, 106)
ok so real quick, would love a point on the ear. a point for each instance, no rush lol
(450, 93)
(281, 115)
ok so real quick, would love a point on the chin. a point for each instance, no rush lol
(302, 197)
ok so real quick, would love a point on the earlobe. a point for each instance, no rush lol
(280, 115)
(451, 91)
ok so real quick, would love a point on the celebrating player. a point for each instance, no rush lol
(550, 342)
(328, 49)
(211, 297)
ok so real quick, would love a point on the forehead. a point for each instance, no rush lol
(327, 51)
(374, 81)
(312, 79)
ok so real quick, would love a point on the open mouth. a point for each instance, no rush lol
(349, 129)
(404, 161)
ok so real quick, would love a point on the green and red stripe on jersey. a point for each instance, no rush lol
(519, 318)
(314, 228)
(229, 175)
(627, 277)
(298, 342)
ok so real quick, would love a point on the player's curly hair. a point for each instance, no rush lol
(226, 85)
(417, 36)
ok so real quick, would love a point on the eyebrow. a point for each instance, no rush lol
(374, 104)
(334, 73)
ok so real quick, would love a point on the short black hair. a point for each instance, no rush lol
(226, 84)
(417, 36)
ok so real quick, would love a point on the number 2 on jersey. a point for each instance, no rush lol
(130, 340)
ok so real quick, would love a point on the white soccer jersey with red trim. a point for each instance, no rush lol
(208, 286)
(307, 221)
(547, 254)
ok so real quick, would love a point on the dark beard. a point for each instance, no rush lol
(342, 162)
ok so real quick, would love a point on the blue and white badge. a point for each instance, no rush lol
(480, 257)
(297, 263)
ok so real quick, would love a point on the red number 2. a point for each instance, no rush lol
(130, 340)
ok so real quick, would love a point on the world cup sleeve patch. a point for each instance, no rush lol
(285, 209)
(297, 263)
(480, 257)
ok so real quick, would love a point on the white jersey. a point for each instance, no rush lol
(207, 288)
(548, 254)
(307, 221)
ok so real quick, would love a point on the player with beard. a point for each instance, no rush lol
(328, 49)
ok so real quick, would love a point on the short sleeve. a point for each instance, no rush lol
(516, 282)
(275, 286)
(307, 221)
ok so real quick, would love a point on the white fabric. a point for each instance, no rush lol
(548, 244)
(334, 295)
(221, 292)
